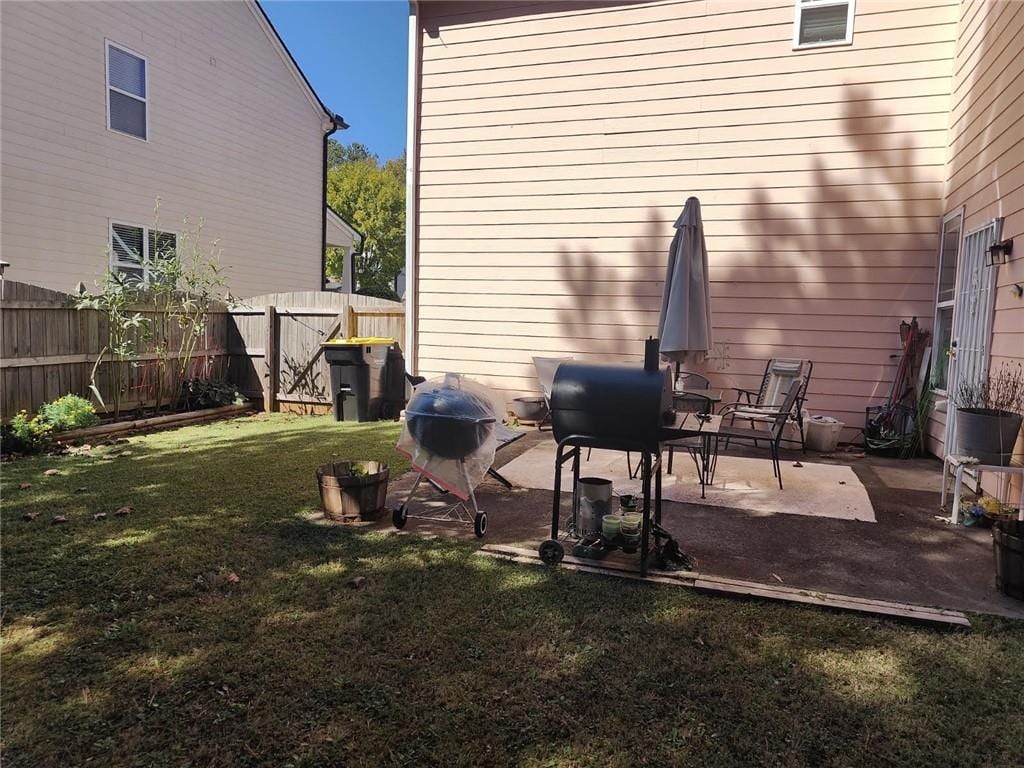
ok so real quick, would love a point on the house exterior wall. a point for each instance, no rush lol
(557, 145)
(986, 164)
(233, 138)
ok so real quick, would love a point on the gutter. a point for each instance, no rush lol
(336, 123)
(411, 201)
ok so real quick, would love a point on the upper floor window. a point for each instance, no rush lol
(127, 92)
(134, 252)
(823, 22)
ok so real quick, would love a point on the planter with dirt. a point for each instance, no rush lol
(353, 490)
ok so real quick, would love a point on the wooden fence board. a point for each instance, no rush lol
(47, 348)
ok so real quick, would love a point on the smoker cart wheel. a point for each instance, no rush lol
(399, 516)
(551, 552)
(480, 524)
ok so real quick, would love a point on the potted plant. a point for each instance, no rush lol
(988, 415)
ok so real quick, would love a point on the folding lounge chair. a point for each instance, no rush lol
(772, 436)
(764, 404)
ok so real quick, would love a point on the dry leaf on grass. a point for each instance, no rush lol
(357, 582)
(232, 578)
(125, 510)
(59, 519)
(30, 516)
(100, 516)
(24, 486)
(51, 472)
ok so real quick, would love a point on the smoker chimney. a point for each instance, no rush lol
(652, 348)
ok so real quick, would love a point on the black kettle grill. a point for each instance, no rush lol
(449, 422)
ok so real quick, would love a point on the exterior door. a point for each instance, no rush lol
(973, 303)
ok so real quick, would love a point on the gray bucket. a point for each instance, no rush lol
(594, 501)
(987, 435)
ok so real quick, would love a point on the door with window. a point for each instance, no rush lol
(965, 301)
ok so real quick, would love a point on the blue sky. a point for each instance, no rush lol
(355, 54)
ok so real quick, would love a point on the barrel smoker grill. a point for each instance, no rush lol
(612, 407)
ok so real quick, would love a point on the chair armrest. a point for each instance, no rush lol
(729, 407)
(746, 394)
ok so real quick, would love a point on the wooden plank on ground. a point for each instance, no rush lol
(737, 587)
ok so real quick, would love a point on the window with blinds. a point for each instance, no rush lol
(127, 92)
(133, 251)
(823, 22)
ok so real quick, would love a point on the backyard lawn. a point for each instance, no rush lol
(213, 626)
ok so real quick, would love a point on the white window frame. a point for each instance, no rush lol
(950, 303)
(144, 265)
(799, 5)
(107, 45)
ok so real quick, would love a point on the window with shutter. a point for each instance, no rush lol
(127, 92)
(823, 22)
(133, 249)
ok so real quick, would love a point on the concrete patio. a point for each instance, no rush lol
(907, 555)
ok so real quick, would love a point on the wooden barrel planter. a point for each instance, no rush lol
(1008, 543)
(353, 490)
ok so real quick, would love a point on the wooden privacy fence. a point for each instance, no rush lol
(48, 349)
(274, 343)
(268, 346)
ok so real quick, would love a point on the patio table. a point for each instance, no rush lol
(711, 397)
(689, 426)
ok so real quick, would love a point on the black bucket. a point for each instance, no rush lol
(1008, 545)
(987, 435)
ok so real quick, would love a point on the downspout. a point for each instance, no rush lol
(337, 123)
(411, 201)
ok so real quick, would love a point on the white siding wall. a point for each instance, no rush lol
(233, 139)
(559, 142)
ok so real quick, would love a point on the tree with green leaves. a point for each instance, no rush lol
(372, 198)
(339, 154)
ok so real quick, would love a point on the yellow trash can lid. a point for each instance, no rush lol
(363, 341)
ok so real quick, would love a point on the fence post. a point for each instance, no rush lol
(270, 359)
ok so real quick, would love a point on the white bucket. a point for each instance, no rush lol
(594, 501)
(822, 433)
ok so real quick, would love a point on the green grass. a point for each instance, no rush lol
(127, 642)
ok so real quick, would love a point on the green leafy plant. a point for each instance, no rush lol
(68, 412)
(26, 434)
(186, 283)
(209, 393)
(116, 298)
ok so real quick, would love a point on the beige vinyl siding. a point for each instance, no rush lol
(233, 138)
(986, 162)
(558, 145)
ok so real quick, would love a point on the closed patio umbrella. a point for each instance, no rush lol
(684, 326)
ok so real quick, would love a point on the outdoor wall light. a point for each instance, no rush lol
(999, 253)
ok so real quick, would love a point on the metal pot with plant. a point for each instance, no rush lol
(989, 412)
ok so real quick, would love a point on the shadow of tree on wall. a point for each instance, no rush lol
(819, 261)
(611, 321)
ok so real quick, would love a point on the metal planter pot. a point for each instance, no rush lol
(987, 435)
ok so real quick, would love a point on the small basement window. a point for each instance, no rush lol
(823, 22)
(127, 92)
(134, 251)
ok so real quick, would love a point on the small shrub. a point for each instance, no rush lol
(209, 393)
(26, 434)
(69, 412)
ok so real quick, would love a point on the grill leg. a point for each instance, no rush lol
(645, 533)
(465, 476)
(657, 492)
(556, 503)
